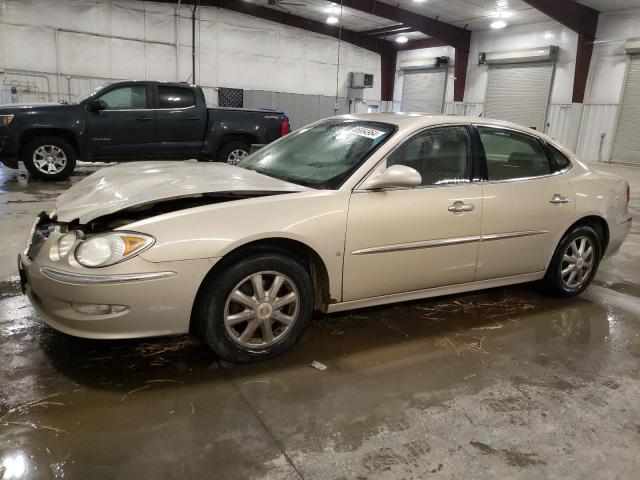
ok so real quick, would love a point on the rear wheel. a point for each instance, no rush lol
(257, 309)
(574, 263)
(233, 152)
(49, 158)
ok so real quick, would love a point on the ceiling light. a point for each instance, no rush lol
(419, 1)
(332, 20)
(498, 24)
(332, 9)
(548, 35)
(402, 39)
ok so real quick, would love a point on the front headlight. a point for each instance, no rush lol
(111, 248)
(5, 120)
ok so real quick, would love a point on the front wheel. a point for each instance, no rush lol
(574, 263)
(233, 152)
(49, 158)
(257, 309)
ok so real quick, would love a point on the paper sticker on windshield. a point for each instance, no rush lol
(367, 132)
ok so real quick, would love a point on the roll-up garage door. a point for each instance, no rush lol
(423, 90)
(519, 93)
(626, 148)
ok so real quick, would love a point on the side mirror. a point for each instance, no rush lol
(394, 176)
(96, 105)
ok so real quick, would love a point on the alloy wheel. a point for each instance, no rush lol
(577, 262)
(49, 159)
(261, 309)
(236, 156)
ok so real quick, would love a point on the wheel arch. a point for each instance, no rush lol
(598, 223)
(235, 137)
(302, 252)
(65, 134)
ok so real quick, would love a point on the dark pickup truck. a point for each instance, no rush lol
(131, 120)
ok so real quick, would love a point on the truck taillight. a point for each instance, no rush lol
(284, 128)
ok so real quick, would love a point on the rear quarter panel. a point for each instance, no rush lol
(261, 127)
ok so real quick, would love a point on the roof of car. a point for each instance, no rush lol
(419, 120)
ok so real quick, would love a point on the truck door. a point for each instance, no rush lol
(180, 121)
(126, 126)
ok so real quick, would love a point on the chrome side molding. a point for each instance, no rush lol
(446, 242)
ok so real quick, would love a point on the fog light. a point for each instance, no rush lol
(97, 309)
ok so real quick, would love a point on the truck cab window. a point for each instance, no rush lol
(131, 97)
(175, 97)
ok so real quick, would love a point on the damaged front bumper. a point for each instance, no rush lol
(133, 299)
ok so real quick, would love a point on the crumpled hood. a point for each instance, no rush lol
(129, 184)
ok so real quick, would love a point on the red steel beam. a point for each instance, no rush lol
(421, 43)
(584, 21)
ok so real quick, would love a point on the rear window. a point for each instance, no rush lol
(175, 97)
(559, 159)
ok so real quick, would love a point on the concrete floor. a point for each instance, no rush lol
(497, 384)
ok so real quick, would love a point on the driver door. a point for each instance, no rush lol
(405, 239)
(126, 127)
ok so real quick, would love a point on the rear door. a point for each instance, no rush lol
(126, 127)
(180, 121)
(527, 204)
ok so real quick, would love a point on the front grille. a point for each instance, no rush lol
(40, 235)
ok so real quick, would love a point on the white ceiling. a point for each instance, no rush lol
(471, 14)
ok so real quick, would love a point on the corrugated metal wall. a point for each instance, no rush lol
(597, 132)
(559, 122)
(302, 109)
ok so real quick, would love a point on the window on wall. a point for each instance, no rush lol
(175, 97)
(131, 97)
(512, 155)
(440, 155)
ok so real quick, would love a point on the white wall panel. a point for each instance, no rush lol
(160, 61)
(232, 50)
(125, 58)
(597, 132)
(41, 54)
(82, 54)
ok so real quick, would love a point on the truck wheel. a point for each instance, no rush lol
(233, 152)
(49, 158)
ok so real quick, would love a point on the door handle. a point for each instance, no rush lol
(557, 198)
(459, 207)
(143, 118)
(193, 117)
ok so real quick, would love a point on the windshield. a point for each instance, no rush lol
(321, 156)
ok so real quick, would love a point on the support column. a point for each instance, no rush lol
(387, 74)
(460, 72)
(583, 60)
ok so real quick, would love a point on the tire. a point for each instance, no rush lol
(221, 320)
(585, 265)
(233, 151)
(49, 158)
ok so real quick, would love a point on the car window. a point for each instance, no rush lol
(512, 155)
(440, 155)
(175, 97)
(559, 158)
(131, 97)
